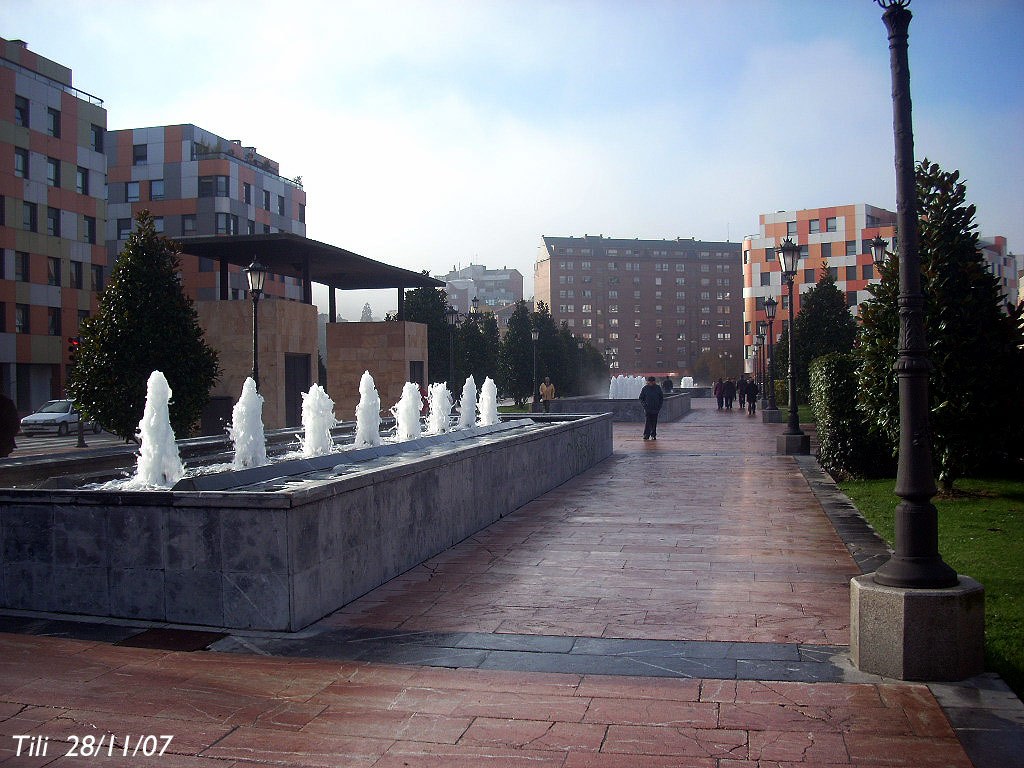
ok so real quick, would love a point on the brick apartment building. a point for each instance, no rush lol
(651, 306)
(197, 183)
(494, 287)
(52, 216)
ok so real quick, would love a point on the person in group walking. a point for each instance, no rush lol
(741, 391)
(547, 393)
(9, 425)
(652, 397)
(720, 393)
(752, 393)
(729, 391)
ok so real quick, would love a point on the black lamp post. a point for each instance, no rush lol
(452, 316)
(793, 440)
(759, 361)
(579, 347)
(534, 335)
(256, 274)
(770, 307)
(476, 305)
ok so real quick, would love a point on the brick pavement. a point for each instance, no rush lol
(702, 535)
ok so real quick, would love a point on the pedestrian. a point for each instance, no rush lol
(752, 393)
(729, 391)
(547, 393)
(652, 397)
(741, 391)
(720, 393)
(667, 385)
(9, 425)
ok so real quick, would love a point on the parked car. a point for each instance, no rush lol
(57, 416)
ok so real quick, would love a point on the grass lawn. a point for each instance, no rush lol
(514, 409)
(981, 535)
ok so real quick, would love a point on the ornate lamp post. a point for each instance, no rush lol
(759, 361)
(476, 305)
(793, 440)
(256, 274)
(452, 315)
(772, 409)
(762, 334)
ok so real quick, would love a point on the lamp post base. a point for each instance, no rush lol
(792, 444)
(771, 415)
(917, 634)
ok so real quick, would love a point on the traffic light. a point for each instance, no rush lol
(73, 344)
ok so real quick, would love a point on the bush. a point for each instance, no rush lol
(847, 447)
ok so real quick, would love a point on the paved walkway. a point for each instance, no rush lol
(685, 603)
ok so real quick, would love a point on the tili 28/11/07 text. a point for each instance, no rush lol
(106, 745)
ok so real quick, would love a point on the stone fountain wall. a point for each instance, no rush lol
(281, 555)
(623, 409)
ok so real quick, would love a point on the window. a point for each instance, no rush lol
(766, 278)
(705, 267)
(156, 189)
(809, 276)
(705, 295)
(124, 228)
(613, 294)
(29, 217)
(833, 272)
(826, 250)
(77, 275)
(612, 265)
(867, 271)
(21, 162)
(82, 181)
(790, 229)
(280, 205)
(250, 227)
(21, 324)
(815, 226)
(613, 308)
(158, 224)
(587, 322)
(583, 264)
(302, 213)
(53, 171)
(213, 186)
(613, 322)
(140, 153)
(188, 222)
(851, 298)
(246, 192)
(131, 191)
(53, 122)
(587, 308)
(96, 138)
(97, 277)
(53, 321)
(3, 317)
(680, 267)
(53, 271)
(851, 273)
(21, 266)
(266, 199)
(851, 247)
(21, 111)
(830, 224)
(266, 229)
(52, 221)
(226, 224)
(632, 266)
(89, 225)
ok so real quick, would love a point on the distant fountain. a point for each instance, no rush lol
(488, 405)
(439, 416)
(367, 413)
(317, 422)
(407, 413)
(625, 387)
(467, 406)
(687, 382)
(246, 428)
(159, 463)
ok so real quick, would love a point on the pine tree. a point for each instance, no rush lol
(515, 356)
(427, 305)
(367, 316)
(974, 344)
(145, 323)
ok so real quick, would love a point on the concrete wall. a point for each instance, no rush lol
(285, 327)
(675, 407)
(383, 349)
(279, 559)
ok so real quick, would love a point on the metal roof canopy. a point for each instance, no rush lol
(285, 253)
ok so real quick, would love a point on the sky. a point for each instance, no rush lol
(430, 134)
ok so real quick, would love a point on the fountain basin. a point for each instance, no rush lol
(622, 409)
(284, 550)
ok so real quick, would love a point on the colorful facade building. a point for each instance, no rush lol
(196, 183)
(52, 217)
(1002, 265)
(653, 307)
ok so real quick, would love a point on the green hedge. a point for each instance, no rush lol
(848, 449)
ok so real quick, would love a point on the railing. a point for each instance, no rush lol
(264, 166)
(78, 94)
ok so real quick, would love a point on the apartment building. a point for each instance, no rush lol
(651, 306)
(197, 183)
(493, 287)
(1002, 265)
(52, 216)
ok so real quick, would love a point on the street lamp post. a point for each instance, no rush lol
(452, 316)
(579, 348)
(793, 440)
(534, 335)
(771, 412)
(762, 333)
(759, 362)
(256, 274)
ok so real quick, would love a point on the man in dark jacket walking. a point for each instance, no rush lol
(652, 397)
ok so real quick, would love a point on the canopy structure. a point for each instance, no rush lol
(308, 260)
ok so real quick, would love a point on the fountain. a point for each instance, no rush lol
(317, 422)
(367, 413)
(488, 405)
(159, 464)
(625, 387)
(467, 406)
(439, 416)
(687, 382)
(407, 413)
(246, 428)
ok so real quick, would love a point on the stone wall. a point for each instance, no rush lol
(383, 349)
(281, 558)
(675, 407)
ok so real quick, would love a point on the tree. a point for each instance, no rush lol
(515, 356)
(145, 323)
(823, 325)
(974, 344)
(550, 355)
(367, 316)
(427, 305)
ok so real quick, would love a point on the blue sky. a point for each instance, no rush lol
(437, 133)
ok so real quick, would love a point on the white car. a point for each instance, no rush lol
(57, 416)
